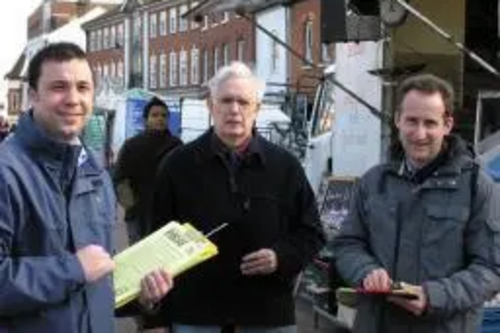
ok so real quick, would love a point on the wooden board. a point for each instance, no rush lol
(335, 203)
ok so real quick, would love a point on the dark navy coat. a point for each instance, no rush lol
(54, 199)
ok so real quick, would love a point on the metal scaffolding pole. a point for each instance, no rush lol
(471, 54)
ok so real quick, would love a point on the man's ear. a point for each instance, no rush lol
(33, 95)
(210, 104)
(449, 121)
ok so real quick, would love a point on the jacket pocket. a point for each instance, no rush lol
(443, 237)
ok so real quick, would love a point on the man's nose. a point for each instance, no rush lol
(72, 95)
(420, 131)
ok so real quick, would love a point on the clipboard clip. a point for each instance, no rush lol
(216, 230)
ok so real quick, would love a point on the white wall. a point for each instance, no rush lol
(357, 133)
(275, 20)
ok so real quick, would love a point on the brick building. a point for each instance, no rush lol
(165, 53)
(305, 28)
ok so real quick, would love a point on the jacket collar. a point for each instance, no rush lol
(213, 147)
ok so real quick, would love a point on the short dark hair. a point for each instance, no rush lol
(58, 52)
(155, 101)
(428, 84)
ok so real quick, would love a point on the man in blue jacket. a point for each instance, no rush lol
(57, 210)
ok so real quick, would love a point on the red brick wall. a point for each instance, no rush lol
(303, 77)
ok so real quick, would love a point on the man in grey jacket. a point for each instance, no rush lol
(430, 219)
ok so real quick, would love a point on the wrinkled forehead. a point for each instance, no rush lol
(237, 87)
(67, 70)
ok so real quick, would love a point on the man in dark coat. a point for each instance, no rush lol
(430, 219)
(136, 166)
(232, 175)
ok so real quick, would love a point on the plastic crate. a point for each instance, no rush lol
(491, 320)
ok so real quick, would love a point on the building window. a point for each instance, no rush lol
(205, 23)
(225, 54)
(163, 23)
(241, 50)
(205, 65)
(92, 45)
(173, 20)
(173, 69)
(326, 54)
(152, 25)
(308, 40)
(216, 59)
(194, 24)
(119, 37)
(183, 68)
(120, 69)
(152, 72)
(225, 17)
(112, 69)
(105, 41)
(195, 62)
(163, 70)
(99, 40)
(113, 37)
(183, 22)
(137, 26)
(105, 72)
(275, 52)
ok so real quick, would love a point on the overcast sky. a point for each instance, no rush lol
(13, 18)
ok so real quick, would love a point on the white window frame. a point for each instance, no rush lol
(308, 40)
(216, 59)
(153, 28)
(183, 68)
(241, 45)
(183, 22)
(205, 23)
(119, 34)
(120, 69)
(163, 23)
(205, 65)
(153, 71)
(195, 65)
(226, 58)
(172, 65)
(92, 44)
(194, 24)
(225, 18)
(113, 36)
(163, 70)
(112, 69)
(105, 38)
(99, 40)
(172, 22)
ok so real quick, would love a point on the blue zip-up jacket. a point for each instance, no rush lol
(54, 199)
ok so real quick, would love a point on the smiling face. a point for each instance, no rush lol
(423, 123)
(234, 109)
(63, 98)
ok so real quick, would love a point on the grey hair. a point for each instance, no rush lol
(236, 70)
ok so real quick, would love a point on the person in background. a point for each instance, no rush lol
(4, 128)
(430, 219)
(231, 175)
(57, 210)
(136, 166)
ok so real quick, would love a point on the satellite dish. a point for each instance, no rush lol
(392, 13)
